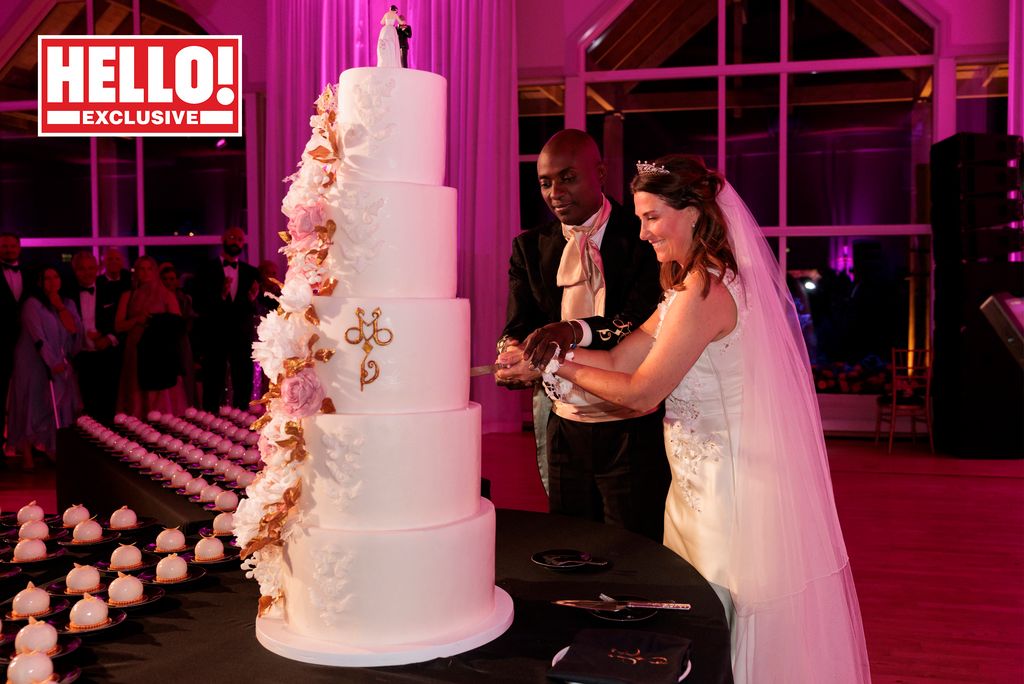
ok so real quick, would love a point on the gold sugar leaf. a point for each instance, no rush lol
(327, 288)
(313, 339)
(260, 422)
(330, 227)
(312, 317)
(265, 603)
(323, 355)
(286, 443)
(327, 406)
(321, 256)
(293, 428)
(285, 236)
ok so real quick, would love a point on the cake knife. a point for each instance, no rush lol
(616, 606)
(484, 370)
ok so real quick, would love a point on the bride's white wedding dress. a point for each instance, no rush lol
(389, 53)
(742, 521)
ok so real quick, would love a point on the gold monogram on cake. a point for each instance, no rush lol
(368, 370)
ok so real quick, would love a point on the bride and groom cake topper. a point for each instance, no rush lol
(393, 40)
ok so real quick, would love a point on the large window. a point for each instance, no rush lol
(169, 197)
(821, 114)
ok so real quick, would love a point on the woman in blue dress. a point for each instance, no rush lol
(43, 380)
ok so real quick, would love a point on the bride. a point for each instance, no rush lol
(751, 504)
(388, 52)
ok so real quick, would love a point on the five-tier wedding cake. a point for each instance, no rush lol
(367, 531)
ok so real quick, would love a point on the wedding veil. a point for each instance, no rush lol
(789, 571)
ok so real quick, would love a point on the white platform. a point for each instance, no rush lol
(275, 636)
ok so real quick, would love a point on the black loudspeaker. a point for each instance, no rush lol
(978, 387)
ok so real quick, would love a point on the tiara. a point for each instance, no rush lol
(647, 169)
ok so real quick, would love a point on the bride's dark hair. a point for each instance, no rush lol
(689, 183)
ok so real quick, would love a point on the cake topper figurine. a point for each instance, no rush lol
(388, 54)
(404, 34)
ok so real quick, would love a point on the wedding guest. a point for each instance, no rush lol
(169, 278)
(224, 296)
(115, 276)
(150, 319)
(44, 393)
(99, 363)
(751, 506)
(12, 294)
(404, 34)
(588, 271)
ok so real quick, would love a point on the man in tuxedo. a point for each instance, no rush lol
(224, 298)
(13, 291)
(588, 272)
(115, 279)
(404, 34)
(99, 363)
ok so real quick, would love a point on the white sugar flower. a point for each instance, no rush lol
(296, 295)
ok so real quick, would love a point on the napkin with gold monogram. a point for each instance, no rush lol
(619, 656)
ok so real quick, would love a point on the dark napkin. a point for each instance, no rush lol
(620, 656)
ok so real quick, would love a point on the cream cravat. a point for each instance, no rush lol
(581, 271)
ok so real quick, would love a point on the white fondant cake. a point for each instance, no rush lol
(418, 358)
(393, 240)
(392, 125)
(366, 528)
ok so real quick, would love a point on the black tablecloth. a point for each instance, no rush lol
(205, 631)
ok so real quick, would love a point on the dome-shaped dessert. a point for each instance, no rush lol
(30, 601)
(172, 568)
(36, 636)
(90, 612)
(125, 590)
(30, 668)
(87, 531)
(123, 518)
(29, 550)
(81, 579)
(209, 549)
(74, 515)
(171, 539)
(30, 511)
(125, 557)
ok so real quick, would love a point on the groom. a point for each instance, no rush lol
(404, 34)
(589, 269)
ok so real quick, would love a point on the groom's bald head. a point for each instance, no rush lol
(571, 174)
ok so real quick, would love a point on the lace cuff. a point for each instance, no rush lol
(555, 387)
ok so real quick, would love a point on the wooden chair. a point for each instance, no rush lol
(910, 394)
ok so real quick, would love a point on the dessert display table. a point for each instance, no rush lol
(206, 629)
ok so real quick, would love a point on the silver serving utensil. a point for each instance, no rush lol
(616, 606)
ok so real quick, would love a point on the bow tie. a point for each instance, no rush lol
(91, 290)
(11, 267)
(231, 264)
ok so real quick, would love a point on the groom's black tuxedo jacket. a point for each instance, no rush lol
(632, 290)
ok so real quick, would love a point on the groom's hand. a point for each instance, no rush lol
(540, 346)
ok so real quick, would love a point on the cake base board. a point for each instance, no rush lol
(275, 636)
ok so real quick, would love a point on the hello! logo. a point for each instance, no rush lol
(140, 85)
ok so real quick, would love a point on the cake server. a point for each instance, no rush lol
(615, 606)
(484, 370)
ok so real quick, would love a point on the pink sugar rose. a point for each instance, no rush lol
(304, 220)
(302, 394)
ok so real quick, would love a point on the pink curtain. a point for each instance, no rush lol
(472, 44)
